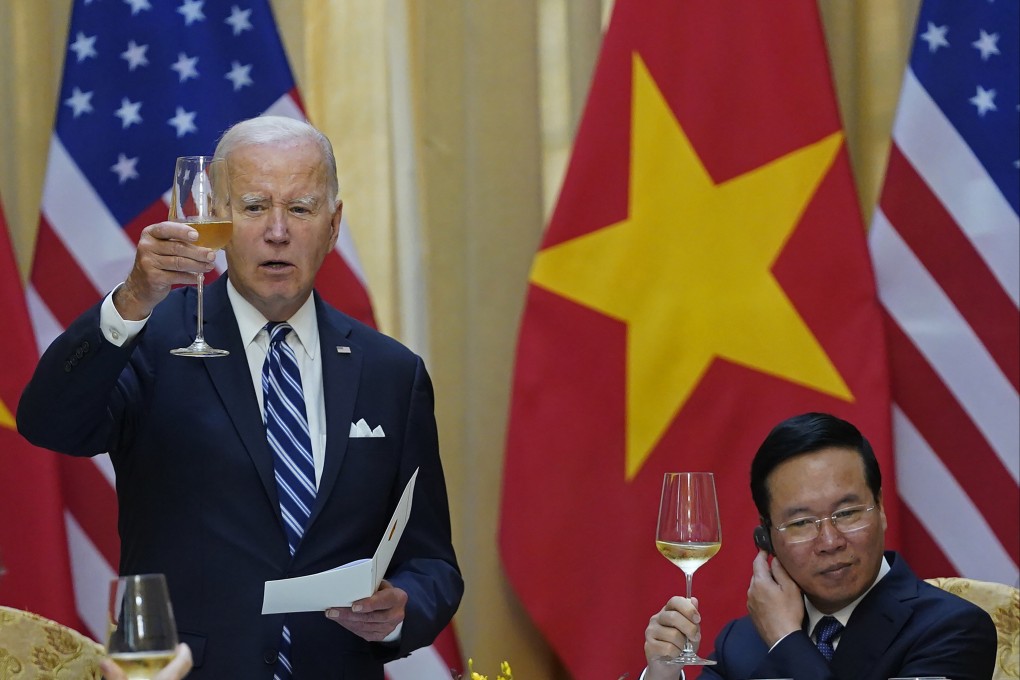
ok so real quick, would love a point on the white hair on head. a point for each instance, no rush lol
(275, 129)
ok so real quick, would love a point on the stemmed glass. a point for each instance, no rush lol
(201, 199)
(688, 534)
(143, 635)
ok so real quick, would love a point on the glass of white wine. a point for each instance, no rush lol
(688, 534)
(201, 199)
(143, 635)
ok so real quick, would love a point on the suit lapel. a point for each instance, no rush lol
(232, 381)
(876, 622)
(341, 373)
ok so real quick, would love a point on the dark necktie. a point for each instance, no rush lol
(293, 466)
(826, 631)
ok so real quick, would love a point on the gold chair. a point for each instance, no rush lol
(1002, 602)
(33, 647)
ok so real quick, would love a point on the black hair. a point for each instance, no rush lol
(808, 433)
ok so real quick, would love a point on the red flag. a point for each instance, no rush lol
(33, 547)
(704, 276)
(946, 246)
(143, 83)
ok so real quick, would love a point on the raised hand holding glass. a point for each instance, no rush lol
(201, 199)
(688, 534)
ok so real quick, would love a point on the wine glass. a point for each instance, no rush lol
(201, 199)
(688, 534)
(143, 635)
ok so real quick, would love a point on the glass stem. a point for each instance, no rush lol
(688, 645)
(199, 338)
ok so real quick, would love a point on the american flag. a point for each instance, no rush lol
(946, 247)
(144, 81)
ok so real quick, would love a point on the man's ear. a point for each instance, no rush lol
(334, 223)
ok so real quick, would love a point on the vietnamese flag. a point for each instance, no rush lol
(33, 544)
(704, 276)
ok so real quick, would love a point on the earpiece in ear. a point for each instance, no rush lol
(762, 539)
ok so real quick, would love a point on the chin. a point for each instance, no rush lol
(830, 600)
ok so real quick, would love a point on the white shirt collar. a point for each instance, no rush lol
(843, 615)
(251, 322)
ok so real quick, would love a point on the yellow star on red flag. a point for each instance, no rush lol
(689, 270)
(6, 419)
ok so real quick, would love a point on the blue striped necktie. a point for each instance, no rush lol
(287, 433)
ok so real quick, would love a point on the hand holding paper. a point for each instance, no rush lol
(342, 586)
(374, 618)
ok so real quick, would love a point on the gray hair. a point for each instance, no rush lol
(274, 129)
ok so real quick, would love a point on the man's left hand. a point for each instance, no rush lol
(375, 617)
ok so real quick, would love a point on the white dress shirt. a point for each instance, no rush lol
(304, 340)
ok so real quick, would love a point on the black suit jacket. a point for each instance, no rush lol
(198, 499)
(903, 627)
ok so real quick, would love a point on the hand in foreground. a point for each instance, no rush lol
(375, 617)
(175, 670)
(165, 257)
(666, 633)
(774, 600)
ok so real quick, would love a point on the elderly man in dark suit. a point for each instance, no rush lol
(203, 492)
(830, 603)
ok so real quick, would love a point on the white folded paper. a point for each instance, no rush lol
(341, 586)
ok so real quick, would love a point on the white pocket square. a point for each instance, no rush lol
(361, 429)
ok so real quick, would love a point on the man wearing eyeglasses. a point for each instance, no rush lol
(830, 603)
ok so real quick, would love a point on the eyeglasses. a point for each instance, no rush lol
(847, 520)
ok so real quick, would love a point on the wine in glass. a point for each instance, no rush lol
(201, 199)
(688, 534)
(143, 635)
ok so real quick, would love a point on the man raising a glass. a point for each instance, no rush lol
(826, 601)
(284, 456)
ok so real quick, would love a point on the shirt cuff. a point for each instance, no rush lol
(395, 635)
(780, 640)
(116, 329)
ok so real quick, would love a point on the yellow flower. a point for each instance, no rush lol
(504, 672)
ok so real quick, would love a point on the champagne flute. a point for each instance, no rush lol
(201, 199)
(688, 533)
(143, 635)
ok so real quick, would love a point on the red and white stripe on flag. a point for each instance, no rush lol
(946, 247)
(35, 572)
(103, 158)
(441, 661)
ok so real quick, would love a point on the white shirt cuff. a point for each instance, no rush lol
(116, 329)
(395, 635)
(780, 640)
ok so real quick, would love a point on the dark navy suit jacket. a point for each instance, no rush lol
(903, 627)
(196, 491)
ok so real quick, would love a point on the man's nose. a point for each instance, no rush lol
(276, 226)
(829, 535)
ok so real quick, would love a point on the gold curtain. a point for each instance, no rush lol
(452, 121)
